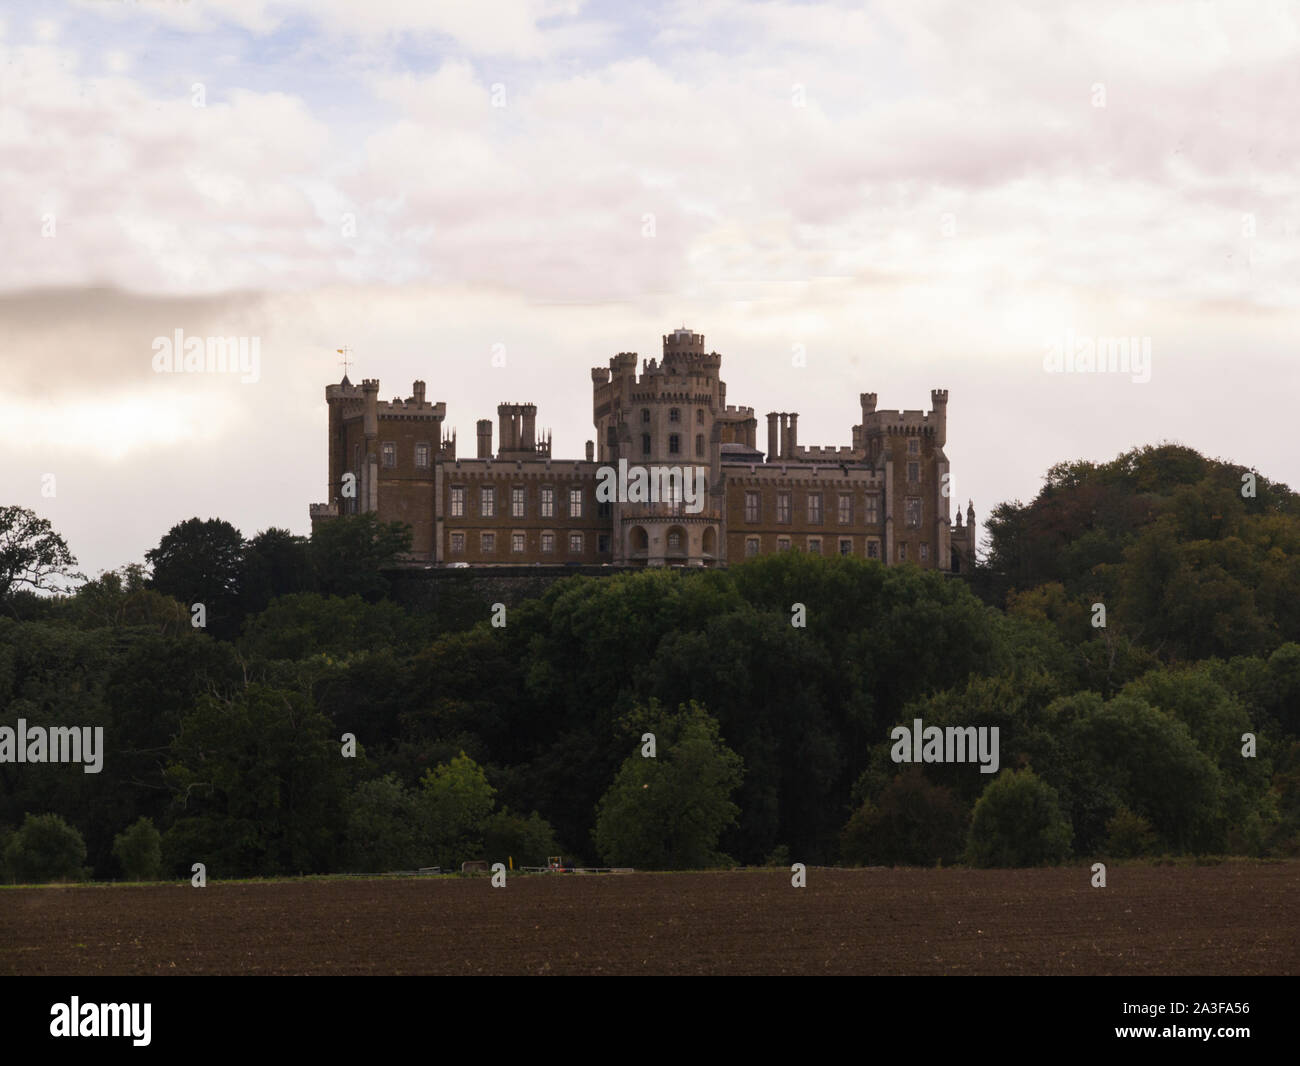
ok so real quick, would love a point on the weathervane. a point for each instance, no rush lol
(346, 352)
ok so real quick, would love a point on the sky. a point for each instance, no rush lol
(843, 198)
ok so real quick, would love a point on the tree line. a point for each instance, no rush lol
(1174, 728)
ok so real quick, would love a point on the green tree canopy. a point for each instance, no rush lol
(669, 811)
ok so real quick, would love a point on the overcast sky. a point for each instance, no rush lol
(912, 194)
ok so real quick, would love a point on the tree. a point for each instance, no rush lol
(913, 823)
(275, 563)
(668, 812)
(120, 598)
(383, 827)
(455, 800)
(1017, 822)
(258, 786)
(348, 554)
(528, 841)
(31, 553)
(199, 562)
(139, 850)
(46, 848)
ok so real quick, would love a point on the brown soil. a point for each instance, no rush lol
(1235, 918)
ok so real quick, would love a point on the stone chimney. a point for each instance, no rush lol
(506, 418)
(417, 389)
(484, 438)
(794, 435)
(773, 441)
(591, 451)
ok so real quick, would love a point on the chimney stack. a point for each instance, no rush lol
(418, 389)
(794, 435)
(506, 419)
(591, 451)
(485, 438)
(773, 442)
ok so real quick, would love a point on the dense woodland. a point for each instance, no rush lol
(224, 744)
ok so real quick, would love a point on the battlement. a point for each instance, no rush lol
(323, 510)
(683, 341)
(828, 454)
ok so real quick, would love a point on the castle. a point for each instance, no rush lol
(882, 497)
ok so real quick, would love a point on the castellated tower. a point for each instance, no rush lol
(667, 422)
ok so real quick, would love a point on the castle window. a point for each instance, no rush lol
(674, 443)
(487, 501)
(645, 415)
(458, 501)
(517, 502)
(602, 543)
(913, 445)
(902, 553)
(457, 543)
(699, 417)
(873, 548)
(751, 507)
(913, 512)
(422, 454)
(575, 503)
(846, 546)
(699, 444)
(390, 453)
(548, 502)
(815, 508)
(814, 546)
(783, 544)
(751, 547)
(925, 553)
(575, 543)
(674, 541)
(516, 542)
(674, 415)
(913, 472)
(873, 509)
(488, 542)
(604, 509)
(846, 510)
(783, 507)
(645, 443)
(548, 543)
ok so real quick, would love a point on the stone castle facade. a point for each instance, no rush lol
(881, 497)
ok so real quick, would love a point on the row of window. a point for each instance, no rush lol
(674, 444)
(814, 547)
(674, 415)
(487, 502)
(424, 451)
(488, 543)
(784, 509)
(388, 454)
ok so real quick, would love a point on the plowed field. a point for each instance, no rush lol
(1234, 918)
